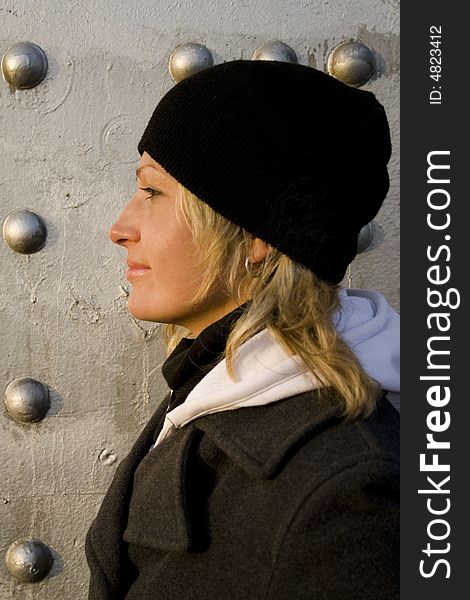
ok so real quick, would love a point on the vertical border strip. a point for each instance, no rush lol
(434, 409)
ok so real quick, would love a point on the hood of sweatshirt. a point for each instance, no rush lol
(372, 329)
(265, 372)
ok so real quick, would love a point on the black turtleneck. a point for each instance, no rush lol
(193, 358)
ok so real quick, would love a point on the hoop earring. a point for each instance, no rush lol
(248, 270)
(246, 265)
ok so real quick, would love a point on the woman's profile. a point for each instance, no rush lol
(271, 468)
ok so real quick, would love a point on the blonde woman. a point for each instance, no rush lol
(270, 470)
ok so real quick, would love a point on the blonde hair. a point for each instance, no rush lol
(286, 298)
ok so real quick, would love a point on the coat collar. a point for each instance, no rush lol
(261, 438)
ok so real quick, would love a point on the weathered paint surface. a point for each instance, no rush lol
(68, 152)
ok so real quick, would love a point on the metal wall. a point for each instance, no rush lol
(68, 154)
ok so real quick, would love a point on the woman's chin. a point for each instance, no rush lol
(140, 312)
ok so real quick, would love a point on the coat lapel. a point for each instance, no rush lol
(158, 511)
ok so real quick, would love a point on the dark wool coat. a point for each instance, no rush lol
(281, 502)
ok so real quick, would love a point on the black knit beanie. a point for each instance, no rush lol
(285, 151)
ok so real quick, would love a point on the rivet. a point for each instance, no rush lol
(27, 400)
(275, 50)
(365, 237)
(24, 65)
(352, 63)
(29, 560)
(188, 59)
(24, 231)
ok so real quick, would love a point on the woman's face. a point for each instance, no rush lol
(161, 256)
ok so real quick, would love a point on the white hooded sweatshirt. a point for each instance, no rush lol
(266, 373)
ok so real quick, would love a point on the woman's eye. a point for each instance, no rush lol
(150, 191)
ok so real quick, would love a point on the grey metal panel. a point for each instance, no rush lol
(68, 153)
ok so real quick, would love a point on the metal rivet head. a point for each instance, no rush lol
(275, 50)
(188, 59)
(366, 235)
(29, 560)
(352, 63)
(24, 231)
(24, 65)
(27, 400)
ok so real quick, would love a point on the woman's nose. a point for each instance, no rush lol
(125, 229)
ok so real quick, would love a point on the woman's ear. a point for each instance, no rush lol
(259, 250)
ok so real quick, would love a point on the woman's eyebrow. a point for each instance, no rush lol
(155, 172)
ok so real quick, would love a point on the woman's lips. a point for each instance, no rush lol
(132, 273)
(135, 270)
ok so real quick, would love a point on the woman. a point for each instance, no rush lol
(271, 468)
